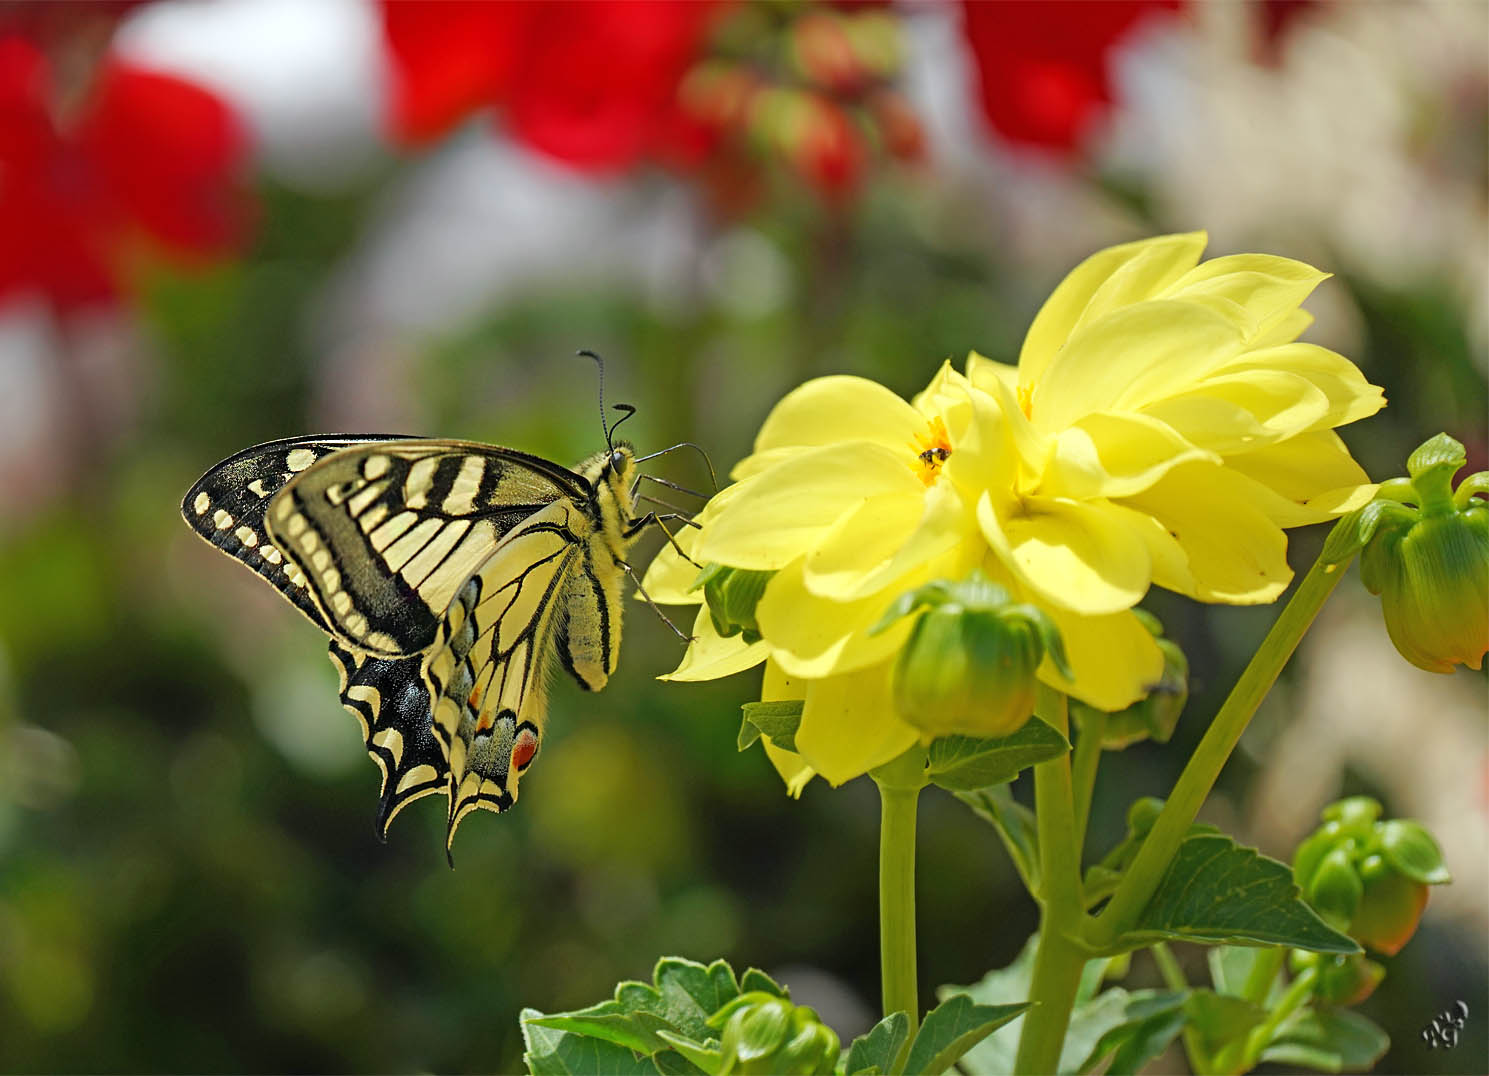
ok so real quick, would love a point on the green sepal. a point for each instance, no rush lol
(1217, 891)
(879, 1049)
(778, 721)
(1411, 850)
(1335, 888)
(1327, 1040)
(1015, 826)
(967, 763)
(954, 1027)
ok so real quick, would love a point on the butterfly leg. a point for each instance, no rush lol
(655, 608)
(661, 521)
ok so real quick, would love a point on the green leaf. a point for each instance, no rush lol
(1217, 891)
(1151, 1020)
(755, 979)
(1329, 1040)
(748, 734)
(554, 1052)
(1230, 968)
(879, 1048)
(1221, 1018)
(703, 1057)
(954, 1027)
(777, 720)
(1014, 824)
(691, 993)
(965, 763)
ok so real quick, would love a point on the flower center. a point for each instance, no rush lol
(1026, 400)
(931, 450)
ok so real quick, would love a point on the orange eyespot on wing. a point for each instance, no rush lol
(525, 749)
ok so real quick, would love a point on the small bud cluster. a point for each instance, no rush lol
(766, 1034)
(1369, 877)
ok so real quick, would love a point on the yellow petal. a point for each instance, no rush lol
(1114, 658)
(1058, 317)
(1313, 474)
(1081, 556)
(785, 511)
(1350, 397)
(1284, 330)
(839, 408)
(848, 725)
(813, 637)
(791, 766)
(984, 373)
(710, 655)
(1235, 552)
(884, 539)
(669, 577)
(1263, 287)
(1129, 358)
(1112, 455)
(1148, 274)
(999, 452)
(1237, 412)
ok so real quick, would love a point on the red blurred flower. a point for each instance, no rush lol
(1042, 67)
(147, 159)
(593, 84)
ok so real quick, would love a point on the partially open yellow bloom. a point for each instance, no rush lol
(1162, 426)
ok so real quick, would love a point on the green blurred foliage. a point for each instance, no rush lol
(189, 876)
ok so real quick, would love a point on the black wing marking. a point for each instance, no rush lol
(226, 506)
(390, 701)
(386, 534)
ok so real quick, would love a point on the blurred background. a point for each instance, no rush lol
(224, 221)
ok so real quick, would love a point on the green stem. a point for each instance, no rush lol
(1083, 775)
(1194, 784)
(1173, 978)
(1241, 1057)
(1059, 957)
(1263, 971)
(899, 784)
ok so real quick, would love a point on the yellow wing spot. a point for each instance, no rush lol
(379, 639)
(223, 519)
(931, 449)
(272, 555)
(341, 601)
(375, 467)
(295, 525)
(202, 503)
(256, 487)
(417, 776)
(356, 624)
(299, 459)
(320, 559)
(247, 537)
(391, 739)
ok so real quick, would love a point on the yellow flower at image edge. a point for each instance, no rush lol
(1162, 426)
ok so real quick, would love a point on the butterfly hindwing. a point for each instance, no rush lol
(389, 699)
(226, 506)
(386, 534)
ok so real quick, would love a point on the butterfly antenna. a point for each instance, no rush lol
(588, 354)
(629, 411)
(712, 477)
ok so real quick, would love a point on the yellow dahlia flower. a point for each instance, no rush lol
(1162, 426)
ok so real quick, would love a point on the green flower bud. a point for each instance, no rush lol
(968, 666)
(1155, 715)
(765, 1034)
(1369, 876)
(731, 595)
(1426, 554)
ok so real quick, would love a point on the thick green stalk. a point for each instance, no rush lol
(1059, 958)
(899, 784)
(1194, 784)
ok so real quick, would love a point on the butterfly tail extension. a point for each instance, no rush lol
(390, 701)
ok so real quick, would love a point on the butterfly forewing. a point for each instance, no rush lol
(386, 534)
(227, 505)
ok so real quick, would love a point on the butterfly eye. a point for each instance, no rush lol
(617, 460)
